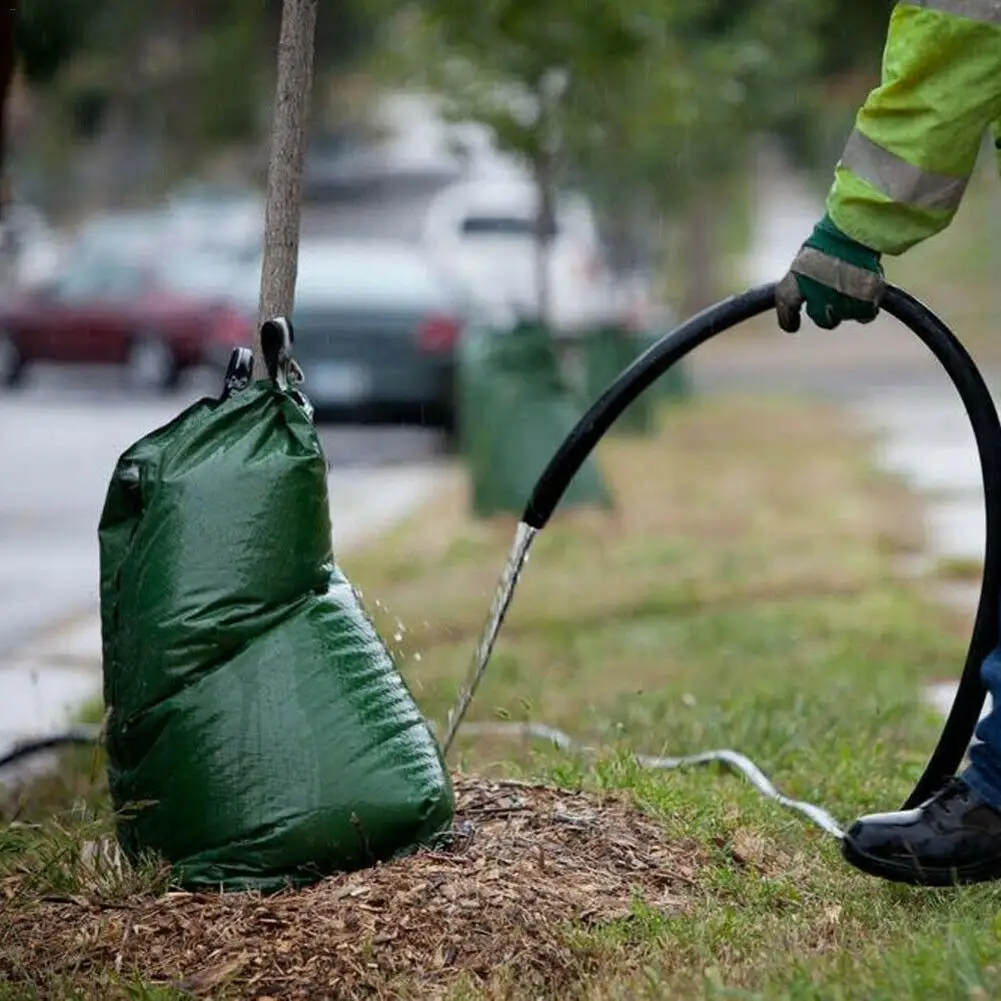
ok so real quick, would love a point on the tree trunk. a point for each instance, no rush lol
(699, 252)
(288, 151)
(544, 230)
(183, 94)
(8, 15)
(543, 285)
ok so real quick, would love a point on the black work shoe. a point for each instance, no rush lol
(954, 837)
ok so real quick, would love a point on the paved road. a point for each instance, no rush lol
(60, 438)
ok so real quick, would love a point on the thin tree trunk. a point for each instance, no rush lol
(183, 94)
(288, 150)
(542, 282)
(8, 15)
(544, 227)
(700, 253)
(543, 292)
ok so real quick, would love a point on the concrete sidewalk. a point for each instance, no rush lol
(46, 681)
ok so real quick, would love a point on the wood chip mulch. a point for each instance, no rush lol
(524, 861)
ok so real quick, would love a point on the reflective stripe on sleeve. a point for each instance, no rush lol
(988, 11)
(899, 180)
(846, 278)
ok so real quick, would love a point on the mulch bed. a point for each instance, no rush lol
(526, 861)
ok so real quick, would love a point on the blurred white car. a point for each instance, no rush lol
(30, 251)
(210, 217)
(122, 231)
(482, 231)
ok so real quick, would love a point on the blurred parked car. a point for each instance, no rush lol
(136, 232)
(376, 330)
(29, 249)
(483, 231)
(158, 318)
(215, 217)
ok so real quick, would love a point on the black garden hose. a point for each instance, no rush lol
(969, 383)
(671, 348)
(81, 736)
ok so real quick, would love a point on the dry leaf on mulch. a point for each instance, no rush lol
(525, 861)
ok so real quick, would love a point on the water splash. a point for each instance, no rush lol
(523, 538)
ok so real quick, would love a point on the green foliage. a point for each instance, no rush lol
(223, 50)
(492, 62)
(214, 57)
(48, 33)
(660, 94)
(850, 40)
(683, 117)
(852, 35)
(665, 91)
(344, 31)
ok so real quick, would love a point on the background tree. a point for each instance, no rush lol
(39, 37)
(516, 66)
(678, 142)
(653, 105)
(850, 36)
(8, 14)
(675, 139)
(183, 80)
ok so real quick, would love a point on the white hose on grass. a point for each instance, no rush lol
(738, 762)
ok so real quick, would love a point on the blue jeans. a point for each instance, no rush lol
(984, 773)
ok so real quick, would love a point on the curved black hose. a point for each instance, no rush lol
(84, 736)
(980, 409)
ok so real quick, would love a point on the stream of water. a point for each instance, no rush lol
(517, 558)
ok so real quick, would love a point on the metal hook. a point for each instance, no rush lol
(277, 338)
(238, 372)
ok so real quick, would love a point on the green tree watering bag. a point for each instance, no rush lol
(259, 733)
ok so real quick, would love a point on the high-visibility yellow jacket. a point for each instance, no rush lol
(906, 165)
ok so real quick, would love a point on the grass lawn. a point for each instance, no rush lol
(742, 596)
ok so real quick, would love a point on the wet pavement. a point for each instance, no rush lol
(925, 438)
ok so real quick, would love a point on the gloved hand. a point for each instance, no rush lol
(836, 277)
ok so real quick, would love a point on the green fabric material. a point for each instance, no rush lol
(940, 91)
(824, 305)
(516, 411)
(253, 707)
(828, 239)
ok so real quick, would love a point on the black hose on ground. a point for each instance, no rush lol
(976, 398)
(82, 736)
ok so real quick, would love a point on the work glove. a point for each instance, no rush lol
(836, 277)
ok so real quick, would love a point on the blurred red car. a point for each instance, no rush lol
(155, 317)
